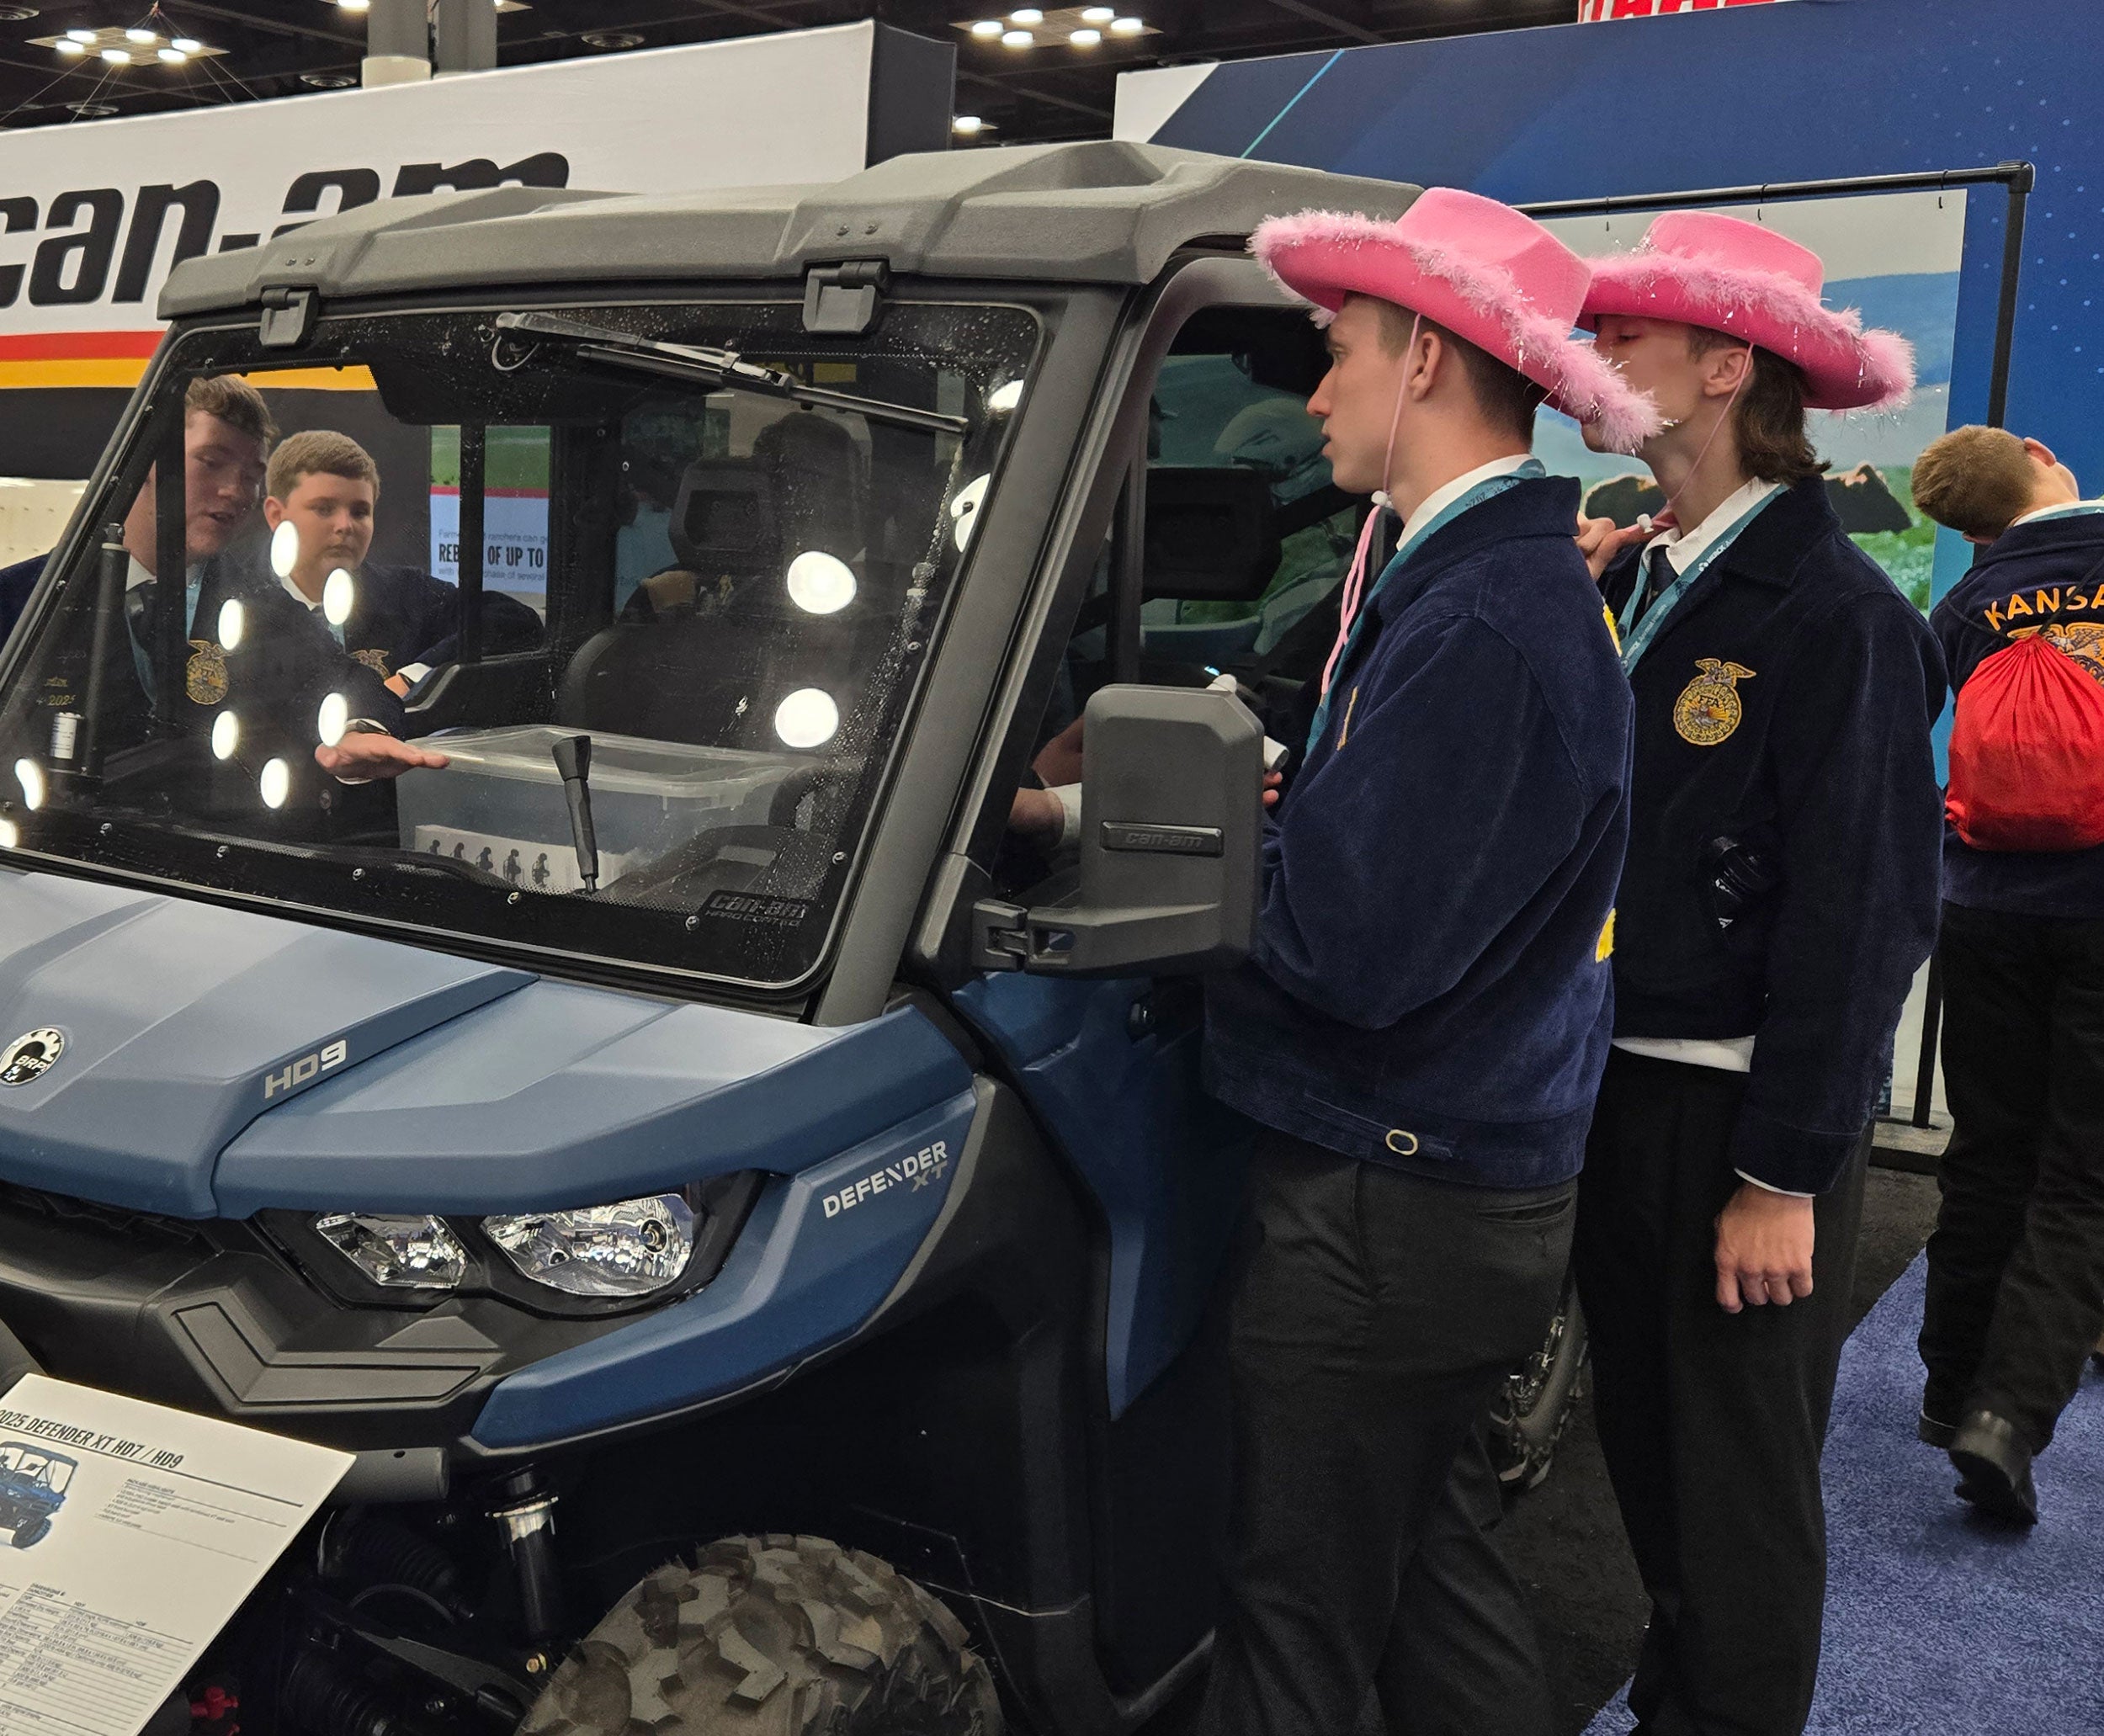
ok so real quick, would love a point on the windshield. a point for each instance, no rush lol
(26, 1464)
(573, 643)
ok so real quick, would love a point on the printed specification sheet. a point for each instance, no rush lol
(129, 1535)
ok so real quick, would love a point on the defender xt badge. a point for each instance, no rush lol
(31, 1057)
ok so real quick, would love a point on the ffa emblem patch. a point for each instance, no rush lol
(1708, 708)
(204, 677)
(374, 661)
(2082, 640)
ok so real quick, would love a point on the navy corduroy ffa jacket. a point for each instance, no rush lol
(1428, 987)
(2047, 575)
(1785, 704)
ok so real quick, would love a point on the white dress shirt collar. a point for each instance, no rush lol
(1683, 547)
(1447, 494)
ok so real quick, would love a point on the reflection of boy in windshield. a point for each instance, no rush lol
(226, 432)
(397, 621)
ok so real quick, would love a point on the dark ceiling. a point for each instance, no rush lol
(280, 48)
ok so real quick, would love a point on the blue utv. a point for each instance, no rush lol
(32, 1481)
(748, 1206)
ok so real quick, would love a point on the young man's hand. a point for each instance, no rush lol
(1037, 814)
(1600, 542)
(1764, 1249)
(362, 755)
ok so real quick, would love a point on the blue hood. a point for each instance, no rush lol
(193, 1081)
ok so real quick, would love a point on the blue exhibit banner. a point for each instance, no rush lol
(1727, 97)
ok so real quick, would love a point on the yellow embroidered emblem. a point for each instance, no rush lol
(1604, 950)
(1614, 633)
(374, 661)
(204, 677)
(2082, 640)
(1708, 708)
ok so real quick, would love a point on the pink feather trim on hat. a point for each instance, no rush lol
(1578, 381)
(1749, 302)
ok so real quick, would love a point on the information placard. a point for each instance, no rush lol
(137, 1532)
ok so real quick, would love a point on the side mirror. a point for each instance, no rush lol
(1171, 823)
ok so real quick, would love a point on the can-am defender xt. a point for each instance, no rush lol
(687, 1126)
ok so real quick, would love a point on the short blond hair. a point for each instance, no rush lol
(1976, 481)
(319, 452)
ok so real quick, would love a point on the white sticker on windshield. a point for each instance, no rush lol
(964, 509)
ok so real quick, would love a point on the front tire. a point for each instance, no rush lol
(33, 1532)
(773, 1636)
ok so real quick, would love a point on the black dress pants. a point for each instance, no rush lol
(1374, 1316)
(2016, 1294)
(1712, 1422)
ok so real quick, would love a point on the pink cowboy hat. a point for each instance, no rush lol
(1728, 276)
(1481, 269)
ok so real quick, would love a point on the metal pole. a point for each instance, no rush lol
(474, 467)
(465, 34)
(1913, 182)
(397, 43)
(2022, 179)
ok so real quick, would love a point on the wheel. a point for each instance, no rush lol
(1528, 1416)
(773, 1636)
(33, 1532)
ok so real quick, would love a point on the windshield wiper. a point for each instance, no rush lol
(694, 363)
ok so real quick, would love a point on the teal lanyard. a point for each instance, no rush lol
(1637, 640)
(1532, 472)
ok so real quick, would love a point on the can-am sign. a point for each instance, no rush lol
(1595, 12)
(96, 214)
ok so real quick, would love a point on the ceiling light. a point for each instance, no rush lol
(968, 124)
(611, 38)
(354, 5)
(10, 838)
(118, 56)
(1127, 26)
(1018, 38)
(326, 80)
(1026, 15)
(70, 47)
(30, 776)
(77, 35)
(987, 27)
(226, 735)
(1086, 39)
(275, 783)
(186, 44)
(94, 111)
(16, 14)
(1098, 15)
(136, 34)
(173, 57)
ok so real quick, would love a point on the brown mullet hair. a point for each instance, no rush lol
(1976, 481)
(1506, 397)
(1769, 416)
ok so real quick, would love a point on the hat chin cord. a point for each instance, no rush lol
(1355, 580)
(1672, 500)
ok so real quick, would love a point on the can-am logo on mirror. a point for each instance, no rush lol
(30, 1056)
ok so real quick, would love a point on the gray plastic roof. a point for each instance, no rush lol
(1106, 213)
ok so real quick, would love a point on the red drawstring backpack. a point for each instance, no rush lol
(2028, 752)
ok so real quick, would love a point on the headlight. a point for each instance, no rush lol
(626, 1249)
(417, 1253)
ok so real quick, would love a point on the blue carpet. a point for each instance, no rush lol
(1938, 1624)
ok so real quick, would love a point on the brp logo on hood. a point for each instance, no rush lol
(31, 1057)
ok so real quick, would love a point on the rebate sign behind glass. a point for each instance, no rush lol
(514, 510)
